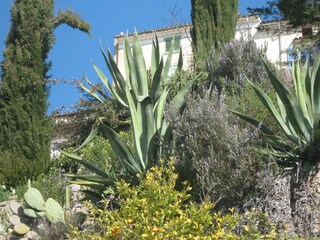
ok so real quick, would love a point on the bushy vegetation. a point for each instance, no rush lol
(239, 60)
(213, 152)
(156, 210)
(213, 169)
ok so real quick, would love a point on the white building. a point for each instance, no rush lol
(165, 36)
(276, 36)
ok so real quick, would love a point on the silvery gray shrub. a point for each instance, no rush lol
(238, 60)
(213, 152)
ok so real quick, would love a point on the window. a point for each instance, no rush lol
(177, 41)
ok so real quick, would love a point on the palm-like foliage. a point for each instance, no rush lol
(298, 113)
(146, 105)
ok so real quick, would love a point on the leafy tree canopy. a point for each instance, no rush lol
(298, 12)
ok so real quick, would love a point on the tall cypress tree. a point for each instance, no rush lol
(214, 23)
(25, 129)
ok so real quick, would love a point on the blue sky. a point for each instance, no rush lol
(74, 51)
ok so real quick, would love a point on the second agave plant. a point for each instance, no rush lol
(297, 113)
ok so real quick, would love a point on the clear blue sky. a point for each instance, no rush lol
(73, 52)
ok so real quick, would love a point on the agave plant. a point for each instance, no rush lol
(146, 106)
(297, 114)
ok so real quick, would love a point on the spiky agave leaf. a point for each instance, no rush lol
(299, 114)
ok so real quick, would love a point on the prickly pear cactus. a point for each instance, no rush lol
(21, 228)
(35, 199)
(54, 211)
(35, 207)
(18, 219)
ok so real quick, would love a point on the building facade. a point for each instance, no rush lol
(275, 36)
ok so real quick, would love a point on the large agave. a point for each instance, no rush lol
(297, 114)
(146, 105)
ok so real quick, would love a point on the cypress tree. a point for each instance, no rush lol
(25, 129)
(214, 24)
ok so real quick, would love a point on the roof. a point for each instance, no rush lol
(158, 30)
(276, 25)
(242, 19)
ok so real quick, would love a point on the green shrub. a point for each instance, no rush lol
(156, 210)
(4, 193)
(16, 169)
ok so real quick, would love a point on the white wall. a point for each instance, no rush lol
(277, 44)
(147, 50)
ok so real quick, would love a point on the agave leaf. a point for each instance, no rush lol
(119, 82)
(306, 78)
(178, 101)
(90, 166)
(109, 86)
(167, 65)
(143, 126)
(148, 124)
(92, 196)
(283, 112)
(114, 70)
(165, 137)
(91, 178)
(156, 82)
(91, 136)
(135, 113)
(140, 66)
(180, 61)
(130, 69)
(273, 110)
(294, 112)
(158, 110)
(122, 150)
(254, 122)
(315, 91)
(278, 143)
(300, 89)
(155, 56)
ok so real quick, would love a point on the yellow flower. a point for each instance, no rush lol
(129, 221)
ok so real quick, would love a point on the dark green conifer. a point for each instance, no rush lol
(214, 24)
(25, 128)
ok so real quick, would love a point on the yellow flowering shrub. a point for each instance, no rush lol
(154, 209)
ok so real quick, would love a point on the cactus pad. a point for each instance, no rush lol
(34, 199)
(54, 211)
